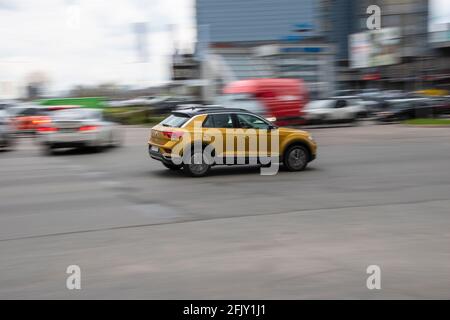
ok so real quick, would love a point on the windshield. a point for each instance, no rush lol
(241, 101)
(174, 121)
(319, 104)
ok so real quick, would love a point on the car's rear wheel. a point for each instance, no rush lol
(48, 150)
(172, 166)
(196, 167)
(296, 158)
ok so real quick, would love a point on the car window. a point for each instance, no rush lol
(248, 121)
(175, 121)
(3, 116)
(320, 104)
(28, 112)
(76, 114)
(341, 104)
(209, 122)
(222, 120)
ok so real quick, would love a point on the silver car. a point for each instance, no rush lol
(79, 128)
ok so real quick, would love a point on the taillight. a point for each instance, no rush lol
(172, 134)
(41, 121)
(88, 128)
(47, 129)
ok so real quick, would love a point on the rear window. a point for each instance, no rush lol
(175, 121)
(77, 114)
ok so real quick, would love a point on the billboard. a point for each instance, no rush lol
(439, 22)
(375, 48)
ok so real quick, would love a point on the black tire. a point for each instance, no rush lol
(8, 147)
(93, 149)
(48, 150)
(296, 158)
(194, 169)
(172, 166)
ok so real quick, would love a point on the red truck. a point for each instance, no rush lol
(279, 100)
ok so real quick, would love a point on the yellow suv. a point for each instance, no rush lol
(195, 138)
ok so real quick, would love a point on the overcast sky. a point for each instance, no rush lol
(439, 14)
(90, 41)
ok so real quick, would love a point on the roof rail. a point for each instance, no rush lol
(197, 108)
(188, 106)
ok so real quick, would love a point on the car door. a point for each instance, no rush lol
(106, 127)
(255, 132)
(423, 109)
(344, 110)
(222, 124)
(336, 112)
(354, 108)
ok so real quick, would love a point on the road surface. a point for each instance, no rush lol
(376, 195)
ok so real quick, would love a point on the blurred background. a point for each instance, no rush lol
(369, 79)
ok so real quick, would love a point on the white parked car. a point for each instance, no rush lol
(333, 110)
(79, 128)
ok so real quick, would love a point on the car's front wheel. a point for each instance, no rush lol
(296, 158)
(196, 167)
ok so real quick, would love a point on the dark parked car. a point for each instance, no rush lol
(403, 109)
(166, 105)
(441, 105)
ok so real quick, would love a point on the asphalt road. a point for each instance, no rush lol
(376, 195)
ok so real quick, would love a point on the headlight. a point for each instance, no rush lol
(271, 119)
(311, 138)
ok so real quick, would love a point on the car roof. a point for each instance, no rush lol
(406, 100)
(193, 110)
(344, 98)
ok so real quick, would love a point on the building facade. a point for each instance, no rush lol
(238, 31)
(410, 17)
(265, 39)
(254, 20)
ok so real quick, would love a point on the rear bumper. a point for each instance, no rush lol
(6, 138)
(73, 139)
(67, 144)
(156, 155)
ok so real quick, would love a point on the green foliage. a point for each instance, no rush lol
(89, 102)
(132, 116)
(428, 122)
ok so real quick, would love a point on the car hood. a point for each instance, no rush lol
(316, 110)
(288, 131)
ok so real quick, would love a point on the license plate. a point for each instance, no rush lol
(155, 149)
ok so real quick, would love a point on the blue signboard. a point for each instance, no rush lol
(302, 50)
